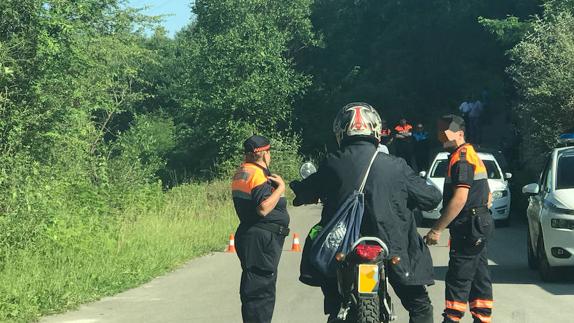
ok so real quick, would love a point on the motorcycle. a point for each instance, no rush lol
(362, 277)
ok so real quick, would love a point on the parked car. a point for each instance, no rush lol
(550, 238)
(497, 181)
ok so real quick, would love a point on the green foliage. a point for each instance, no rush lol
(85, 258)
(139, 153)
(509, 31)
(239, 75)
(543, 72)
(418, 59)
(557, 7)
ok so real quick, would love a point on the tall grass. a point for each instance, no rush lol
(102, 256)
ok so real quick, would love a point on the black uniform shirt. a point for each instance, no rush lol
(250, 187)
(466, 169)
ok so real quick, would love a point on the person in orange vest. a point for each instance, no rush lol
(258, 197)
(466, 197)
(386, 134)
(404, 149)
(386, 137)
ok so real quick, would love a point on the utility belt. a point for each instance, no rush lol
(273, 227)
(474, 226)
(465, 216)
(475, 211)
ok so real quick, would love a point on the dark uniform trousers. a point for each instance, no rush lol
(468, 280)
(414, 298)
(259, 251)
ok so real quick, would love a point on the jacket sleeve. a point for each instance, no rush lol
(422, 195)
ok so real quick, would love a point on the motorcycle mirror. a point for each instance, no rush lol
(307, 169)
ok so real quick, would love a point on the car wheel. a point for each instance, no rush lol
(531, 255)
(547, 273)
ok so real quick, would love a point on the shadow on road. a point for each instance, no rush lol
(507, 251)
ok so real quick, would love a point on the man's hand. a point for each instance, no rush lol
(432, 237)
(279, 181)
(269, 204)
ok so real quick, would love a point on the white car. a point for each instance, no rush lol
(497, 182)
(551, 215)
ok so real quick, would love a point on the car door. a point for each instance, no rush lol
(537, 201)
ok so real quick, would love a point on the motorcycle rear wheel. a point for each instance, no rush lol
(368, 310)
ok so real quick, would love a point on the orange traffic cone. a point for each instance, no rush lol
(296, 245)
(231, 247)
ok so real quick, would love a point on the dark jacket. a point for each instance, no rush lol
(391, 192)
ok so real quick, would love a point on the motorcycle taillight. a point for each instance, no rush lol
(368, 252)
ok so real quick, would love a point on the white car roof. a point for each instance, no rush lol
(563, 149)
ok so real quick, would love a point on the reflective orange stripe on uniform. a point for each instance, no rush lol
(472, 158)
(407, 127)
(246, 178)
(481, 303)
(457, 306)
(482, 318)
(453, 318)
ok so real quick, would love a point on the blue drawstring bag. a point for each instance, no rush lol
(342, 230)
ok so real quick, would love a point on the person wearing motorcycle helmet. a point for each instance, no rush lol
(392, 191)
(258, 197)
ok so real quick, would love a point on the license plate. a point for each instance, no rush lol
(368, 279)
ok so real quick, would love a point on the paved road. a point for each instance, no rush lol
(206, 289)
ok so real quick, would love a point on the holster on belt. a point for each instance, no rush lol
(273, 227)
(474, 225)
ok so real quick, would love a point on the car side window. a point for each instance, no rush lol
(544, 175)
(548, 183)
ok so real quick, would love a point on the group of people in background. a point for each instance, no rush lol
(472, 111)
(408, 142)
(413, 144)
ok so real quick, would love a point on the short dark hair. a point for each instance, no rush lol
(453, 123)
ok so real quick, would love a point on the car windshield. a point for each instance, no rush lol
(441, 165)
(492, 169)
(565, 175)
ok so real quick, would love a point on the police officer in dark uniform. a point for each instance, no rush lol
(262, 210)
(466, 198)
(391, 192)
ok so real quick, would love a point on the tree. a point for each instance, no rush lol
(66, 70)
(543, 72)
(239, 75)
(406, 58)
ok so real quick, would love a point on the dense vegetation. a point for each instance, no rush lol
(99, 118)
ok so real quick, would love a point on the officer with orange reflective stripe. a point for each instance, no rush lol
(404, 144)
(466, 197)
(262, 210)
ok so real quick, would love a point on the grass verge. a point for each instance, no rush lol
(84, 260)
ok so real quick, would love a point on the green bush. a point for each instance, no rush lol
(543, 72)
